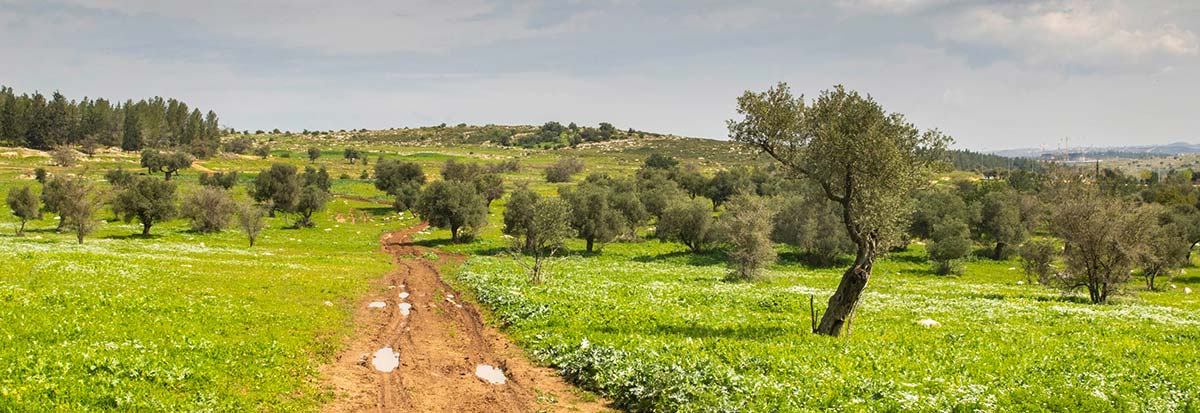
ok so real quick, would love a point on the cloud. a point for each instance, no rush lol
(1071, 33)
(363, 28)
(888, 6)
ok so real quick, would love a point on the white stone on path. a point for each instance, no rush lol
(490, 374)
(377, 304)
(405, 308)
(929, 323)
(386, 360)
(403, 295)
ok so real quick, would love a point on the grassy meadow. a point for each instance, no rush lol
(184, 322)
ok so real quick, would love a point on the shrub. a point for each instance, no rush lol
(1037, 260)
(209, 209)
(746, 226)
(24, 205)
(563, 169)
(689, 222)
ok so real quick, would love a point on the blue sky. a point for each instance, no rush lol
(993, 74)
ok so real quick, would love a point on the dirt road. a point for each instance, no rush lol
(440, 342)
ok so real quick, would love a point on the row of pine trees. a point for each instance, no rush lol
(37, 122)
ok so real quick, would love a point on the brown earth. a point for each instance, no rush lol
(440, 343)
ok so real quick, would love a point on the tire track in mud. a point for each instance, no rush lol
(440, 342)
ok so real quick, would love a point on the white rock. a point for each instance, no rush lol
(490, 374)
(377, 304)
(405, 308)
(1020, 283)
(929, 323)
(386, 360)
(1187, 290)
(403, 295)
(328, 304)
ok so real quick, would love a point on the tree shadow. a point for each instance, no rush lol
(134, 236)
(378, 211)
(1073, 299)
(695, 259)
(809, 261)
(702, 331)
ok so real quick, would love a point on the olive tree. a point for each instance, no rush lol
(518, 215)
(278, 187)
(209, 209)
(548, 227)
(593, 215)
(1001, 222)
(563, 169)
(452, 205)
(689, 222)
(812, 224)
(312, 199)
(167, 163)
(402, 180)
(1104, 237)
(148, 200)
(863, 158)
(746, 226)
(24, 205)
(948, 245)
(313, 154)
(1037, 260)
(251, 220)
(78, 207)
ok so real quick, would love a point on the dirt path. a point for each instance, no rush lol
(197, 166)
(440, 342)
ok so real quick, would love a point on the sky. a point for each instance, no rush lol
(992, 74)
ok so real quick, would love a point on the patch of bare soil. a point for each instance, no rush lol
(441, 342)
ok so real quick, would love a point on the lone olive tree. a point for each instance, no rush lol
(863, 158)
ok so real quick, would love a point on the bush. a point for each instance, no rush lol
(223, 180)
(563, 169)
(1037, 260)
(746, 226)
(951, 243)
(239, 145)
(689, 222)
(263, 151)
(209, 209)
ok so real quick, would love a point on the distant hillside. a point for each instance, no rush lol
(1139, 151)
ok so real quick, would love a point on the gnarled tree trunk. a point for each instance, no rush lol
(843, 302)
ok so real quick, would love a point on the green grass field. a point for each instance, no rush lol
(185, 322)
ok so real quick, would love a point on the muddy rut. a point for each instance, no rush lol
(440, 341)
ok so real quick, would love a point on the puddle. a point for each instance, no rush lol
(490, 374)
(377, 304)
(403, 295)
(386, 360)
(405, 308)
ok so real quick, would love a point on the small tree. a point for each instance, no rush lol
(64, 156)
(316, 177)
(251, 220)
(351, 155)
(24, 205)
(312, 200)
(548, 228)
(401, 180)
(949, 244)
(746, 226)
(57, 192)
(1104, 237)
(454, 170)
(279, 187)
(518, 215)
(78, 207)
(592, 214)
(491, 186)
(167, 163)
(263, 152)
(688, 222)
(812, 224)
(1000, 221)
(563, 169)
(1037, 260)
(1166, 248)
(39, 174)
(147, 200)
(209, 209)
(725, 184)
(118, 178)
(222, 180)
(313, 154)
(454, 206)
